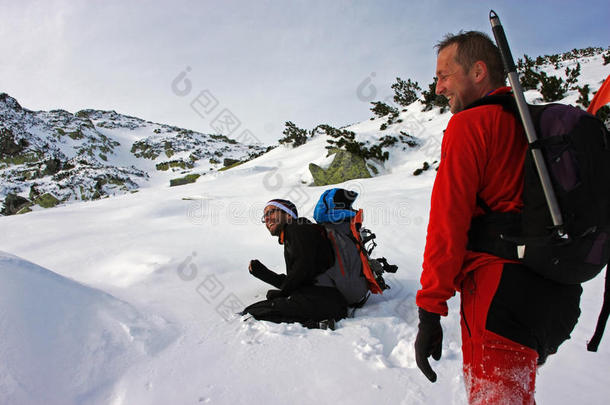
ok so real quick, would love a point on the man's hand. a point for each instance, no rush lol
(273, 294)
(429, 342)
(256, 265)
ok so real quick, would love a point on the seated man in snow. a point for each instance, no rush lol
(308, 253)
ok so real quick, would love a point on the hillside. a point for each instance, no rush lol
(56, 156)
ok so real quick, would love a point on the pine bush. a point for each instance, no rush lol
(572, 77)
(529, 78)
(405, 92)
(293, 135)
(552, 88)
(431, 99)
(584, 96)
(381, 109)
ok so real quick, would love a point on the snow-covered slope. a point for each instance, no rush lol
(93, 154)
(176, 261)
(63, 342)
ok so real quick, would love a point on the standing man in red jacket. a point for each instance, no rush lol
(511, 318)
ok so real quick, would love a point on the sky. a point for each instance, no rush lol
(244, 68)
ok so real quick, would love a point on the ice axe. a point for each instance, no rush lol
(526, 119)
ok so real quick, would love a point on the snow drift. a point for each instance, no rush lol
(62, 342)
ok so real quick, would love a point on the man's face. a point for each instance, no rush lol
(453, 82)
(274, 219)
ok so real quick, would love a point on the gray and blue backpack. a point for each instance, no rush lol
(355, 274)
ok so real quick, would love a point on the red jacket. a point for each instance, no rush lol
(482, 153)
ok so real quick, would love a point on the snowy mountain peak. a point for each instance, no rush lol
(92, 154)
(7, 101)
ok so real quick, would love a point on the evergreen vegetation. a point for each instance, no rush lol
(431, 99)
(293, 135)
(552, 88)
(346, 140)
(381, 109)
(584, 96)
(405, 92)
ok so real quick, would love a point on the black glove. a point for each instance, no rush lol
(429, 342)
(271, 294)
(258, 270)
(257, 267)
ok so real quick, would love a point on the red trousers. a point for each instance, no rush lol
(497, 370)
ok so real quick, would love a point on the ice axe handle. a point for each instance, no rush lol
(526, 119)
(498, 30)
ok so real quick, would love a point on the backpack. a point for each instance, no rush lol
(354, 273)
(576, 148)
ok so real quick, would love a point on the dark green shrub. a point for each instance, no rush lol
(424, 168)
(528, 76)
(381, 109)
(431, 99)
(293, 135)
(604, 115)
(584, 96)
(572, 77)
(8, 146)
(552, 88)
(405, 92)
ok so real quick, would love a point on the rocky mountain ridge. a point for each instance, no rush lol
(47, 157)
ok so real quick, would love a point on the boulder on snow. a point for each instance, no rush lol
(46, 200)
(189, 178)
(14, 203)
(345, 166)
(229, 162)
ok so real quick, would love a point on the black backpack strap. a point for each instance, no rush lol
(542, 143)
(593, 344)
(506, 100)
(492, 231)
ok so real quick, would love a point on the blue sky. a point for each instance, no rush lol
(266, 62)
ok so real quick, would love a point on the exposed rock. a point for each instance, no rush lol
(13, 203)
(26, 208)
(345, 166)
(229, 162)
(239, 162)
(46, 201)
(189, 178)
(175, 164)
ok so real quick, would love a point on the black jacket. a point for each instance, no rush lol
(307, 252)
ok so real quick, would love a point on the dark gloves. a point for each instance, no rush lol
(258, 270)
(256, 267)
(429, 342)
(271, 294)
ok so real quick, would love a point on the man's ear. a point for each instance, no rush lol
(479, 71)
